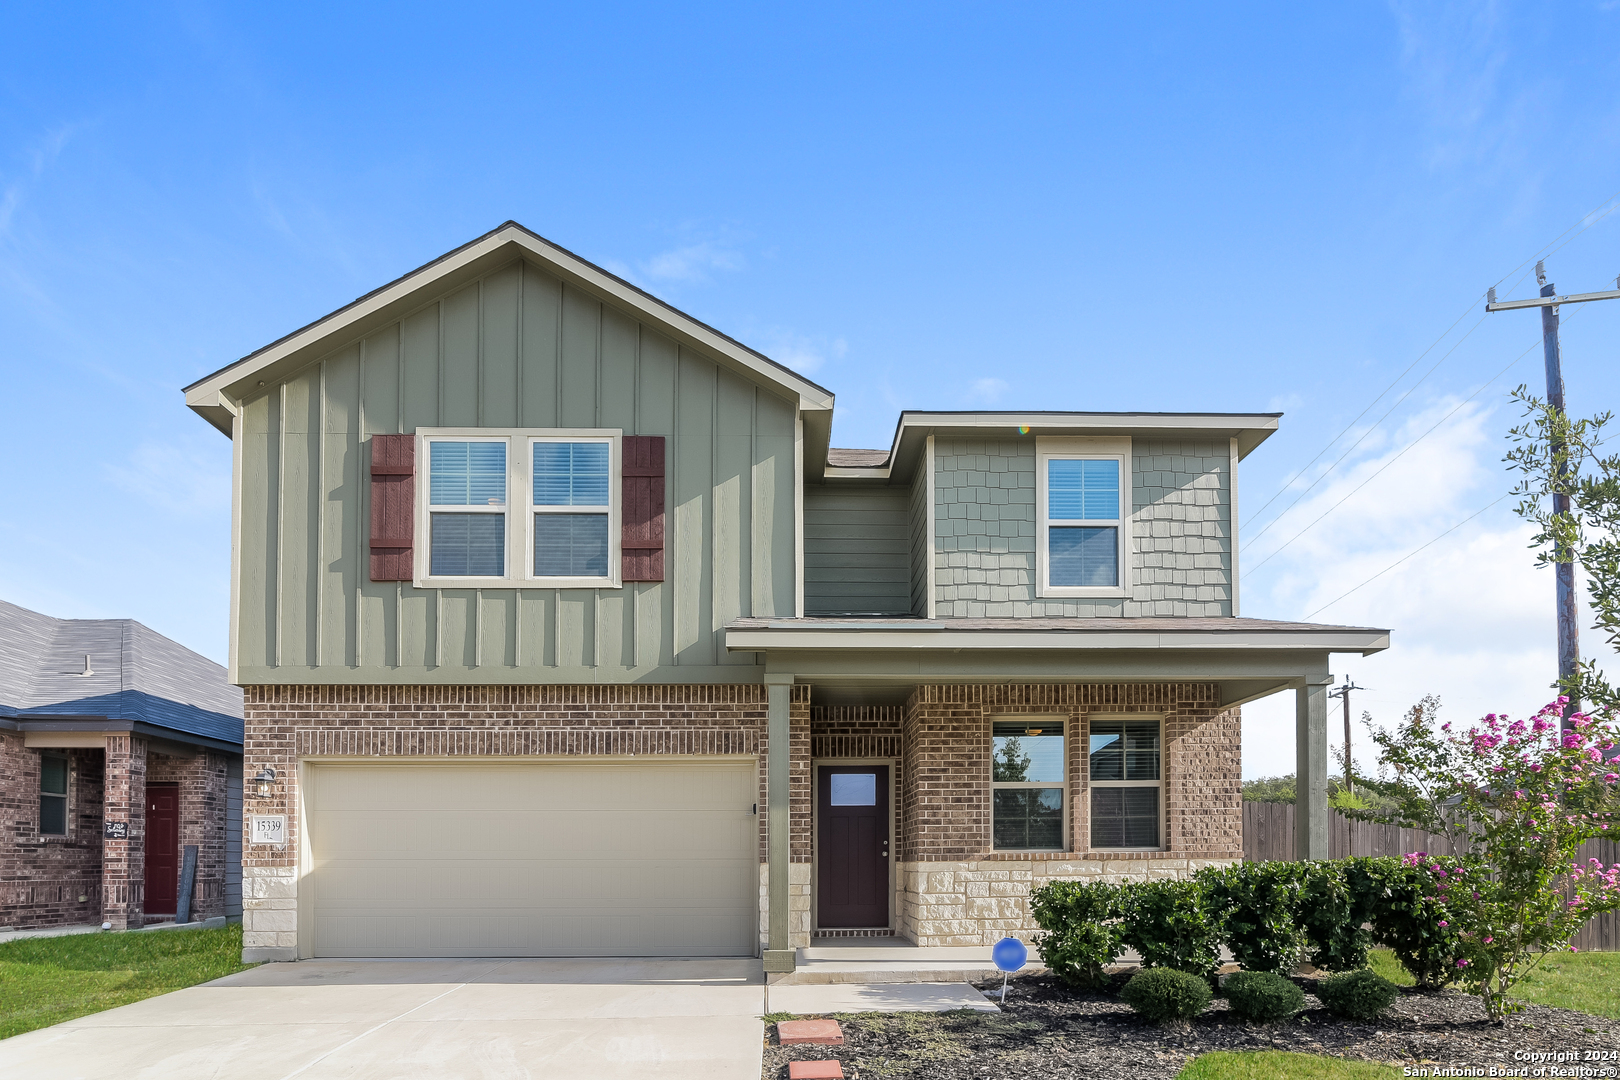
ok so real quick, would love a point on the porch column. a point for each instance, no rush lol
(779, 956)
(123, 861)
(1311, 768)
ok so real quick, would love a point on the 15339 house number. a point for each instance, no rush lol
(267, 829)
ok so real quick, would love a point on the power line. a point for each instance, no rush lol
(1371, 428)
(1408, 555)
(1483, 386)
(1586, 221)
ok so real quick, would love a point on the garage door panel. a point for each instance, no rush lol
(578, 787)
(533, 859)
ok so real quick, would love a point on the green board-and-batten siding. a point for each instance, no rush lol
(516, 349)
(857, 549)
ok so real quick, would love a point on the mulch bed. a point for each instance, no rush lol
(1048, 1030)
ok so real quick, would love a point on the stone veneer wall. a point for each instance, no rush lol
(287, 723)
(43, 877)
(956, 890)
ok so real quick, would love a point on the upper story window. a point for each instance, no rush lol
(1027, 780)
(572, 510)
(1083, 513)
(1127, 785)
(469, 475)
(504, 509)
(53, 795)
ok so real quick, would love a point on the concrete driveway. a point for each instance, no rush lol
(365, 1019)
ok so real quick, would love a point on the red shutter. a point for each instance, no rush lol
(393, 506)
(642, 541)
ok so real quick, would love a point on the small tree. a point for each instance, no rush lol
(1559, 458)
(1515, 800)
(1011, 765)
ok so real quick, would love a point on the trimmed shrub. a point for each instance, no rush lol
(1162, 994)
(1406, 917)
(1263, 996)
(1081, 920)
(1259, 904)
(1171, 925)
(1336, 905)
(1359, 995)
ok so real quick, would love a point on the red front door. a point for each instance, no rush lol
(162, 848)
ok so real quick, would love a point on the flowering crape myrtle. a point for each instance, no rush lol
(1516, 800)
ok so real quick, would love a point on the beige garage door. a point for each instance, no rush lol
(611, 859)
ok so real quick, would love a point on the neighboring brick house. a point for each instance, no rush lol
(119, 750)
(563, 631)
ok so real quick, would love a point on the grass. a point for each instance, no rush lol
(1279, 1065)
(1587, 982)
(45, 981)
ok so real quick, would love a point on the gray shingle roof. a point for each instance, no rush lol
(136, 674)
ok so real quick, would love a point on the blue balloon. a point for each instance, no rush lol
(1010, 954)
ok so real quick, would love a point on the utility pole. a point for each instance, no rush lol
(1343, 693)
(1569, 647)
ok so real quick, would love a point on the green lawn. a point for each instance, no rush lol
(1589, 982)
(1278, 1065)
(44, 981)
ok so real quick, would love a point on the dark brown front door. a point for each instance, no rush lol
(852, 886)
(162, 848)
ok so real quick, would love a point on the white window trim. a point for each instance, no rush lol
(1159, 783)
(1062, 785)
(1080, 448)
(519, 504)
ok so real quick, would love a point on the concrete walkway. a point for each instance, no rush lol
(428, 1019)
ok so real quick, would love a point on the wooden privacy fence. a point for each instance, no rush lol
(1268, 836)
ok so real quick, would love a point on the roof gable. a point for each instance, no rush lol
(217, 397)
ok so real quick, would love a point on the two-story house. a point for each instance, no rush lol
(564, 632)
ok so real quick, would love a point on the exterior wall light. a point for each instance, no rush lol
(264, 784)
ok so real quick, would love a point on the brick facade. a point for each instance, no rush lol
(48, 881)
(123, 862)
(43, 878)
(940, 740)
(202, 781)
(946, 801)
(288, 723)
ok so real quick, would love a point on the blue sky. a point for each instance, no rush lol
(1235, 207)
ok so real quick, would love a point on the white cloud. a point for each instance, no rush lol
(176, 479)
(1471, 617)
(692, 262)
(801, 352)
(987, 391)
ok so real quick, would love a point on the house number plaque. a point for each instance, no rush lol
(268, 829)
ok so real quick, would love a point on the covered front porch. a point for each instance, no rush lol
(924, 775)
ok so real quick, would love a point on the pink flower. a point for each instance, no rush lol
(1444, 923)
(1462, 963)
(1488, 940)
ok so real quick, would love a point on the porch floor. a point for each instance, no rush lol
(857, 960)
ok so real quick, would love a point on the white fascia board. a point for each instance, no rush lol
(807, 639)
(510, 239)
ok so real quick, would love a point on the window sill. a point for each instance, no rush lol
(1059, 592)
(516, 583)
(1093, 855)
